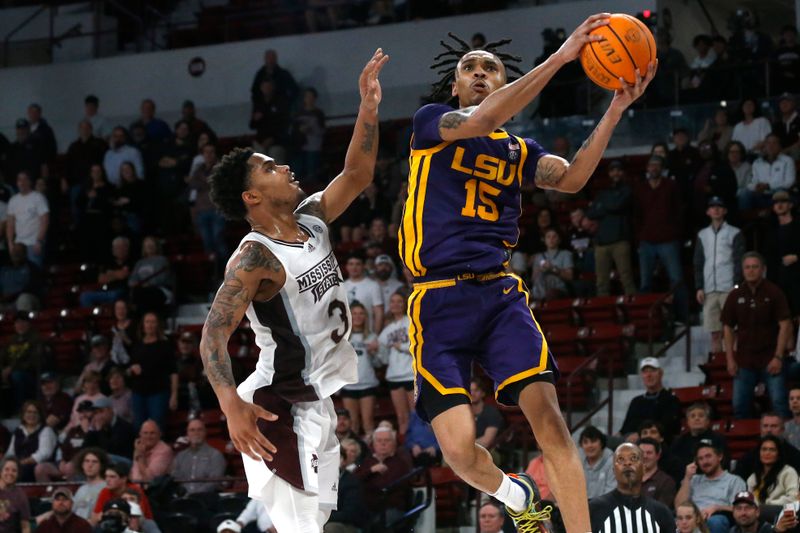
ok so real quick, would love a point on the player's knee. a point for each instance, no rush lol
(459, 455)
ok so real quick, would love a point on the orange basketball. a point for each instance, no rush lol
(628, 44)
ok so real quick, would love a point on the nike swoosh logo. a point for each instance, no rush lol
(506, 291)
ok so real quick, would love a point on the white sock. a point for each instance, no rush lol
(511, 494)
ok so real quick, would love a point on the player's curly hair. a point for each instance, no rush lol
(452, 55)
(228, 180)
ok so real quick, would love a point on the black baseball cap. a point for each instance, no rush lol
(342, 412)
(117, 504)
(716, 201)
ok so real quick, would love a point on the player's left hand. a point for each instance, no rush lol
(571, 49)
(629, 93)
(368, 84)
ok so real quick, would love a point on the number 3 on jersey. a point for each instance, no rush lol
(483, 193)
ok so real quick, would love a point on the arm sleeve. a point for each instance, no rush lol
(790, 175)
(739, 247)
(699, 262)
(782, 307)
(737, 485)
(535, 153)
(250, 513)
(426, 125)
(42, 207)
(47, 445)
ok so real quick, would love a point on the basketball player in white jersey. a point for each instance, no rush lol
(285, 277)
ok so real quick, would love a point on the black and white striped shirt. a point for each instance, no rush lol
(615, 512)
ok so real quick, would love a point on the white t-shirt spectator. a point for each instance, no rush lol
(27, 210)
(779, 174)
(752, 134)
(394, 351)
(256, 512)
(367, 291)
(388, 288)
(366, 367)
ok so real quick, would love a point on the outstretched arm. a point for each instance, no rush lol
(359, 162)
(253, 264)
(553, 172)
(507, 101)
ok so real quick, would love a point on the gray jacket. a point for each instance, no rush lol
(600, 477)
(718, 258)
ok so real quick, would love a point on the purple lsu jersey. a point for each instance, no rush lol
(463, 202)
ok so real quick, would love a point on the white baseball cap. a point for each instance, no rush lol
(229, 525)
(136, 509)
(650, 361)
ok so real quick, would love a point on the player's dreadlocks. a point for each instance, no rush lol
(229, 179)
(453, 55)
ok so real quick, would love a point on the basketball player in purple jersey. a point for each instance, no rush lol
(285, 277)
(459, 226)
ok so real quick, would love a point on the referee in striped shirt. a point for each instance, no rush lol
(625, 509)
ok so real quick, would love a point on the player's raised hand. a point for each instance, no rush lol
(243, 429)
(571, 48)
(368, 84)
(629, 93)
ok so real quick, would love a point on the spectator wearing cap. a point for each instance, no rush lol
(198, 461)
(120, 395)
(783, 249)
(63, 519)
(386, 278)
(363, 289)
(71, 443)
(756, 319)
(120, 151)
(344, 431)
(28, 219)
(16, 513)
(658, 403)
(138, 521)
(746, 515)
(100, 126)
(656, 483)
(616, 509)
(710, 487)
(57, 404)
(116, 515)
(99, 361)
(24, 154)
(90, 391)
(152, 457)
(110, 432)
(771, 172)
(611, 209)
(698, 431)
(117, 483)
(32, 442)
(718, 252)
(254, 512)
(658, 216)
(753, 128)
(20, 281)
(21, 360)
(787, 127)
(598, 462)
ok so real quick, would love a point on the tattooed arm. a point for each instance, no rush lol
(359, 162)
(553, 172)
(253, 265)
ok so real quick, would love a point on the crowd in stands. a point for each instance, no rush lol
(134, 410)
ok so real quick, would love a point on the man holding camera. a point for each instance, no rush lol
(116, 517)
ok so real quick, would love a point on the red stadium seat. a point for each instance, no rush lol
(603, 309)
(555, 312)
(451, 496)
(742, 436)
(646, 311)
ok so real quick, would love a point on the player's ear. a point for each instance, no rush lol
(453, 90)
(251, 197)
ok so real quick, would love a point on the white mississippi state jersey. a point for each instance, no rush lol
(302, 331)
